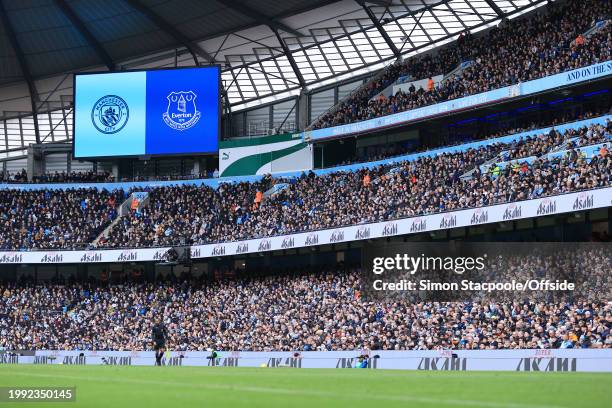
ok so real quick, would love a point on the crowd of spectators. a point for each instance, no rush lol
(518, 50)
(554, 118)
(326, 310)
(289, 311)
(17, 177)
(569, 140)
(190, 215)
(178, 214)
(74, 177)
(21, 177)
(544, 119)
(55, 219)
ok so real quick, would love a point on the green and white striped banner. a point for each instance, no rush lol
(263, 155)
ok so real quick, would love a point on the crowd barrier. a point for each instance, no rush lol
(565, 203)
(550, 360)
(586, 152)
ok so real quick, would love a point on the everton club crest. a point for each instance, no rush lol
(110, 114)
(182, 112)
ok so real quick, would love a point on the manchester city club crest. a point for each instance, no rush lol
(110, 114)
(182, 112)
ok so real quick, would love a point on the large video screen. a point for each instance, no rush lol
(141, 113)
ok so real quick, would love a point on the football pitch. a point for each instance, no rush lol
(169, 387)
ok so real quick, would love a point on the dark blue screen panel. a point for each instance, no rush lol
(182, 111)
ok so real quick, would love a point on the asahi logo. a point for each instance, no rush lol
(159, 255)
(479, 216)
(583, 201)
(345, 362)
(448, 221)
(51, 258)
(223, 362)
(123, 361)
(546, 364)
(389, 229)
(293, 362)
(91, 257)
(265, 245)
(418, 225)
(442, 364)
(547, 206)
(242, 248)
(312, 239)
(74, 360)
(17, 258)
(288, 242)
(126, 256)
(337, 236)
(196, 252)
(362, 233)
(173, 361)
(218, 250)
(512, 211)
(44, 359)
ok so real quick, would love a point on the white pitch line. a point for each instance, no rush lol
(285, 391)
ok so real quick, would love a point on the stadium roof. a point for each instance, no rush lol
(268, 49)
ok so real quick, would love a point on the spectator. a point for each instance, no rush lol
(289, 311)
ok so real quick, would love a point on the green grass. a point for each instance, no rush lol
(174, 387)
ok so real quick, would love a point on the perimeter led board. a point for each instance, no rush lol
(138, 113)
